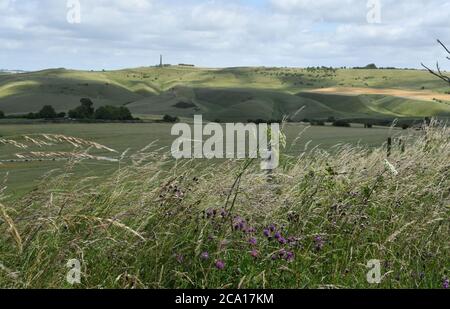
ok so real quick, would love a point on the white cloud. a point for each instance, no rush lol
(122, 33)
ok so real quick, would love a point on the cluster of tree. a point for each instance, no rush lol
(86, 111)
(2, 115)
(170, 119)
(371, 66)
(46, 112)
(342, 123)
(258, 121)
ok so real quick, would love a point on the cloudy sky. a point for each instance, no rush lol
(111, 34)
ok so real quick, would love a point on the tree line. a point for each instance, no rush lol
(85, 111)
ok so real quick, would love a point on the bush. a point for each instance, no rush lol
(113, 113)
(341, 123)
(2, 115)
(170, 119)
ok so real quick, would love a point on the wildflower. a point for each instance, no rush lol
(250, 230)
(446, 284)
(289, 256)
(282, 240)
(209, 213)
(254, 253)
(204, 256)
(223, 213)
(272, 228)
(277, 235)
(266, 233)
(253, 241)
(319, 242)
(282, 253)
(220, 264)
(239, 224)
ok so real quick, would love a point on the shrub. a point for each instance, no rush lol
(341, 123)
(170, 119)
(2, 115)
(113, 113)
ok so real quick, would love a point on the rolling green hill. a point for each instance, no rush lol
(230, 94)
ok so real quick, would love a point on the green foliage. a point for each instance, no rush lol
(109, 112)
(2, 115)
(341, 123)
(170, 119)
(47, 112)
(84, 111)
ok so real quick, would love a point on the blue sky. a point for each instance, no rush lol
(116, 34)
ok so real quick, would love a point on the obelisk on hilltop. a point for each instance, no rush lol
(160, 61)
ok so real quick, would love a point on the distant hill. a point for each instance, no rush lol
(233, 93)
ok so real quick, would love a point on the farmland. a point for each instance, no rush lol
(23, 176)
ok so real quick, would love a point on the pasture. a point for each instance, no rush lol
(23, 176)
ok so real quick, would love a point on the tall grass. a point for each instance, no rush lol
(316, 224)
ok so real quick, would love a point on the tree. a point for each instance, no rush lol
(84, 111)
(341, 123)
(168, 118)
(113, 113)
(439, 73)
(47, 112)
(2, 115)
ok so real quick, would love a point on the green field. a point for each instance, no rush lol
(232, 94)
(23, 176)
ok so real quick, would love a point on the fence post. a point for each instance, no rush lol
(389, 146)
(402, 145)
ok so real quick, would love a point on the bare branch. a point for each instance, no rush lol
(439, 72)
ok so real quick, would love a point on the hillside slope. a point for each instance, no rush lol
(233, 93)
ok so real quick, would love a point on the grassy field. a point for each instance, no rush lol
(23, 176)
(316, 224)
(233, 94)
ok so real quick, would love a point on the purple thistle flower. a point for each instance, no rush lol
(277, 235)
(266, 233)
(274, 257)
(223, 213)
(220, 265)
(254, 253)
(210, 213)
(289, 256)
(272, 228)
(282, 253)
(250, 230)
(319, 243)
(204, 256)
(253, 241)
(282, 240)
(446, 284)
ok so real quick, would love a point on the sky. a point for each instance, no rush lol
(114, 34)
